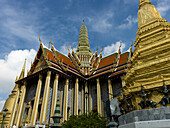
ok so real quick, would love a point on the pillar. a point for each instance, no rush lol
(65, 100)
(98, 97)
(14, 108)
(36, 101)
(123, 80)
(86, 102)
(45, 98)
(76, 97)
(55, 91)
(21, 102)
(110, 89)
(82, 99)
(29, 113)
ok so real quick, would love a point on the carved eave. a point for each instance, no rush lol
(37, 59)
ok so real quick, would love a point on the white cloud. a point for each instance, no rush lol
(64, 48)
(163, 6)
(2, 101)
(18, 23)
(100, 23)
(129, 23)
(11, 67)
(114, 47)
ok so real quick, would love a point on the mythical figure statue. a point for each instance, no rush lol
(115, 112)
(145, 101)
(166, 99)
(129, 107)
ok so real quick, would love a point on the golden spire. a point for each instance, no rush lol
(72, 48)
(142, 1)
(147, 12)
(83, 22)
(23, 71)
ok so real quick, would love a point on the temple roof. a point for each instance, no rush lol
(109, 66)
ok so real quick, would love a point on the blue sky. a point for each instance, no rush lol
(22, 21)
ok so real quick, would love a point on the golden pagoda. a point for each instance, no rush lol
(150, 61)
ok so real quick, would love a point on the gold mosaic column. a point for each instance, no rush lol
(55, 90)
(82, 99)
(76, 97)
(45, 98)
(29, 115)
(98, 97)
(36, 101)
(14, 107)
(110, 89)
(18, 116)
(123, 80)
(65, 100)
(86, 102)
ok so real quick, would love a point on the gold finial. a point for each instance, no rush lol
(120, 47)
(97, 47)
(141, 1)
(50, 42)
(83, 22)
(40, 40)
(68, 49)
(102, 49)
(16, 78)
(23, 70)
(72, 47)
(132, 43)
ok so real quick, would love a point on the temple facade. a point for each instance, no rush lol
(85, 82)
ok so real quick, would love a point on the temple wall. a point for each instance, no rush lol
(50, 99)
(105, 97)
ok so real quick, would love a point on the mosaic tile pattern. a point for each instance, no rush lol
(79, 99)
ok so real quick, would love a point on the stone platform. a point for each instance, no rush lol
(147, 118)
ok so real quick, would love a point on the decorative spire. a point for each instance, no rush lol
(23, 71)
(120, 47)
(83, 22)
(68, 49)
(50, 43)
(40, 40)
(142, 1)
(147, 12)
(57, 109)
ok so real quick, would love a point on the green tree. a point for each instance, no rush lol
(92, 120)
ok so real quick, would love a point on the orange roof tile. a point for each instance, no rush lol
(123, 58)
(107, 60)
(50, 55)
(66, 60)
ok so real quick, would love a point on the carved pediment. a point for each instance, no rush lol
(40, 65)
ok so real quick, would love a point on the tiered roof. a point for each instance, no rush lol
(111, 65)
(91, 66)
